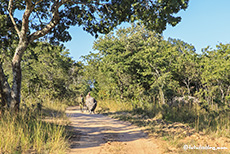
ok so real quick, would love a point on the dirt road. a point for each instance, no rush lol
(98, 134)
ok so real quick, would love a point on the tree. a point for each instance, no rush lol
(117, 63)
(47, 71)
(186, 69)
(136, 61)
(91, 73)
(8, 39)
(53, 18)
(215, 74)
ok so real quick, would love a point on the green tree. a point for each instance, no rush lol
(136, 62)
(215, 74)
(53, 18)
(47, 71)
(157, 59)
(118, 63)
(91, 73)
(186, 69)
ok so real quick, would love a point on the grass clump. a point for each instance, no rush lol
(28, 132)
(177, 126)
(105, 106)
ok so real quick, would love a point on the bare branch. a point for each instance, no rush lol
(107, 8)
(70, 1)
(83, 3)
(38, 2)
(25, 19)
(44, 31)
(157, 72)
(10, 7)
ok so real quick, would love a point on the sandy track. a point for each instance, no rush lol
(98, 134)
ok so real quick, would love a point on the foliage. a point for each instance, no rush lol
(47, 72)
(52, 19)
(138, 66)
(215, 77)
(95, 16)
(125, 65)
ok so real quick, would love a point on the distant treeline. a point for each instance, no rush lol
(132, 64)
(139, 65)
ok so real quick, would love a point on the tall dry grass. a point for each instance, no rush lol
(113, 106)
(28, 132)
(215, 122)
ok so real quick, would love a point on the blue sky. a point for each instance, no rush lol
(205, 22)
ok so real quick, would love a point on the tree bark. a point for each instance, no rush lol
(121, 86)
(4, 89)
(187, 85)
(162, 96)
(17, 75)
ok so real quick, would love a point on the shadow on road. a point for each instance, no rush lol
(93, 130)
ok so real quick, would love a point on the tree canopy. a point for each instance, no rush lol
(95, 16)
(137, 64)
(50, 20)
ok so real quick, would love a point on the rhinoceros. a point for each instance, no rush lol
(91, 104)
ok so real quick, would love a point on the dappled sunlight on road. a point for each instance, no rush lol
(101, 134)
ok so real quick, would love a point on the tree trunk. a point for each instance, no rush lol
(162, 96)
(16, 87)
(24, 40)
(187, 85)
(17, 75)
(121, 88)
(222, 94)
(4, 89)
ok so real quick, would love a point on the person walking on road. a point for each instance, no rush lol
(81, 102)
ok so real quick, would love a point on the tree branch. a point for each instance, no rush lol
(38, 2)
(39, 18)
(10, 7)
(54, 21)
(157, 72)
(25, 19)
(85, 3)
(70, 1)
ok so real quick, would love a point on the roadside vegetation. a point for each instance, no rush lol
(163, 85)
(174, 127)
(34, 129)
(48, 88)
(135, 74)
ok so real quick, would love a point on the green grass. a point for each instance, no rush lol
(113, 106)
(54, 108)
(173, 125)
(211, 121)
(28, 132)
